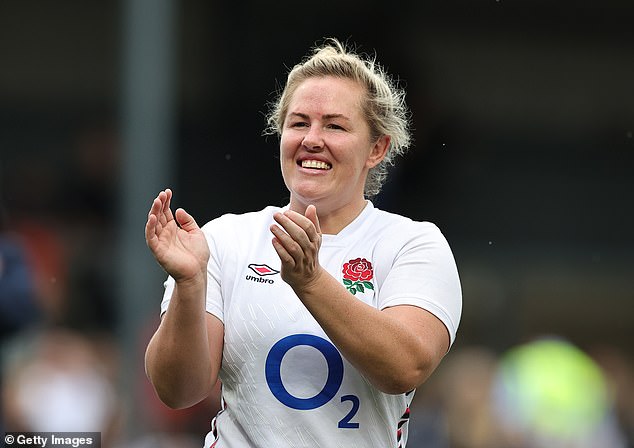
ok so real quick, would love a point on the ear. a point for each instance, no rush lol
(379, 150)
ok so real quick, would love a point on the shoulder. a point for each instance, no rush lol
(399, 227)
(401, 238)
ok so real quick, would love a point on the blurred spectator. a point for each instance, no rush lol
(31, 186)
(61, 204)
(619, 372)
(18, 306)
(545, 393)
(550, 393)
(46, 256)
(453, 409)
(61, 381)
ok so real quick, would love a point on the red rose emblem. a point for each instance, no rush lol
(357, 274)
(358, 269)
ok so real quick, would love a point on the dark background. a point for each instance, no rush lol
(524, 149)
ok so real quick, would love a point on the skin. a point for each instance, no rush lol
(396, 349)
(184, 355)
(325, 123)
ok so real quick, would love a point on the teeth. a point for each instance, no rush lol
(315, 164)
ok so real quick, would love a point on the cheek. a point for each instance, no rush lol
(287, 146)
(287, 156)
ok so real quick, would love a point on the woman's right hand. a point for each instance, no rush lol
(176, 241)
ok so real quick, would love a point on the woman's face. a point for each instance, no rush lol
(326, 149)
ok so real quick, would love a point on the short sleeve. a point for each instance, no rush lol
(424, 274)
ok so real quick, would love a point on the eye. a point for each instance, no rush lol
(335, 126)
(298, 124)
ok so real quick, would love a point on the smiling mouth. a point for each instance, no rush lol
(315, 164)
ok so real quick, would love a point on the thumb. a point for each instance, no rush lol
(311, 214)
(185, 220)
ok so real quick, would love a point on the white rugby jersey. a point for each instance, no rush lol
(284, 384)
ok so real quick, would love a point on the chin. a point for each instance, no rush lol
(308, 195)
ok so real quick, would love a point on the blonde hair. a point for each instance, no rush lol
(384, 105)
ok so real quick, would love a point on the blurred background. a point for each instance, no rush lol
(524, 157)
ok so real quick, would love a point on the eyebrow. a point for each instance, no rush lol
(325, 117)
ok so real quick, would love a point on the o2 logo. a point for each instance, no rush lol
(333, 381)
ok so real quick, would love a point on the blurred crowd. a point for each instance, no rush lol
(61, 359)
(63, 366)
(545, 392)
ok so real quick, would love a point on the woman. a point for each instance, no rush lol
(322, 317)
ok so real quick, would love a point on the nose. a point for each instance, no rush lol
(313, 140)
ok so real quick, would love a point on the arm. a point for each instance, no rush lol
(395, 349)
(183, 357)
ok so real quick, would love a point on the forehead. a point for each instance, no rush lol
(327, 95)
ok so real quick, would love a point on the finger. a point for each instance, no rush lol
(281, 241)
(160, 207)
(156, 206)
(286, 258)
(168, 198)
(311, 214)
(167, 203)
(185, 220)
(156, 218)
(152, 231)
(286, 240)
(296, 225)
(150, 228)
(308, 225)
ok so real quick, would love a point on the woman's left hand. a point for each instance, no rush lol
(297, 239)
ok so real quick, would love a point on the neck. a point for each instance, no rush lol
(332, 218)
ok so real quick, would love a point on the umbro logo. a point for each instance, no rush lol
(262, 270)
